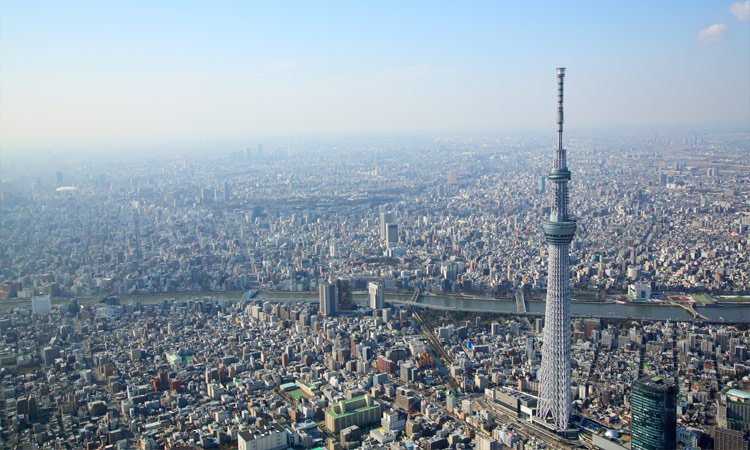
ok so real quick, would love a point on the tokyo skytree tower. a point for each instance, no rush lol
(554, 387)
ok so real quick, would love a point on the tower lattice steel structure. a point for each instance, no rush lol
(554, 387)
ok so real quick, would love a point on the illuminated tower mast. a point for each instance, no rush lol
(554, 387)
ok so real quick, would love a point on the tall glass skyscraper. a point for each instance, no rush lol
(653, 414)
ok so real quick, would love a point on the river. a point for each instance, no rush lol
(729, 313)
(651, 311)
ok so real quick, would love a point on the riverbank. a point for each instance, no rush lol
(715, 312)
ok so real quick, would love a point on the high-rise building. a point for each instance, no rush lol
(731, 440)
(555, 404)
(385, 219)
(377, 295)
(733, 410)
(227, 193)
(541, 183)
(653, 414)
(41, 306)
(27, 407)
(391, 234)
(452, 176)
(327, 293)
(344, 299)
(451, 401)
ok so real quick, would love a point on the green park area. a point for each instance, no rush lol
(296, 394)
(703, 299)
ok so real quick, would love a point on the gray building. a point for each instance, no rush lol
(391, 234)
(385, 219)
(733, 410)
(327, 293)
(377, 295)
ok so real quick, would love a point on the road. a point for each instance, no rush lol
(523, 427)
(527, 429)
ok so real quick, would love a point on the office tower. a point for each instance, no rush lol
(27, 407)
(554, 386)
(377, 295)
(137, 251)
(452, 176)
(327, 292)
(541, 184)
(41, 306)
(391, 234)
(344, 298)
(385, 219)
(653, 414)
(49, 355)
(207, 196)
(387, 314)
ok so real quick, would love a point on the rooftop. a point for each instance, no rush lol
(742, 395)
(347, 403)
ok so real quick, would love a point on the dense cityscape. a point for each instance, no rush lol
(375, 225)
(140, 336)
(464, 220)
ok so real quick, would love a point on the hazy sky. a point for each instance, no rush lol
(107, 75)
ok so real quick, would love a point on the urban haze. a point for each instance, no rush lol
(377, 226)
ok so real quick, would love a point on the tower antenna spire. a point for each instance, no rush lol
(555, 405)
(560, 86)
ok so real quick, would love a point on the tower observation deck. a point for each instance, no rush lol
(555, 404)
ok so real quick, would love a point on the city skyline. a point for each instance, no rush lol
(272, 226)
(202, 276)
(112, 79)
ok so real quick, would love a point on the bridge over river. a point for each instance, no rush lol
(725, 313)
(716, 313)
(635, 311)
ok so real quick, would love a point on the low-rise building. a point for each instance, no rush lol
(268, 437)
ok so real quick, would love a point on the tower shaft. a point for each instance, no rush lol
(554, 387)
